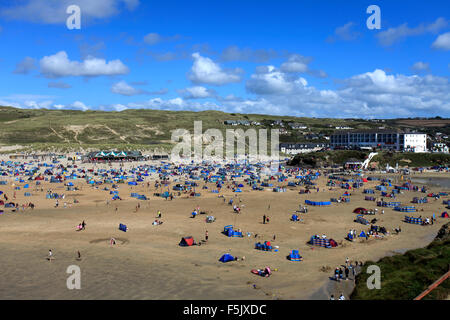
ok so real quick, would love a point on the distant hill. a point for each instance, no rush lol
(150, 129)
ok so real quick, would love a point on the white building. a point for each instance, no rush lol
(382, 139)
(415, 142)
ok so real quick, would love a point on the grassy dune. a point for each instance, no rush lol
(404, 277)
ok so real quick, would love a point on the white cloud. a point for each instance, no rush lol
(125, 89)
(295, 63)
(197, 92)
(204, 70)
(25, 66)
(152, 38)
(54, 11)
(234, 53)
(442, 42)
(420, 66)
(392, 35)
(59, 65)
(79, 105)
(155, 38)
(59, 85)
(269, 80)
(344, 33)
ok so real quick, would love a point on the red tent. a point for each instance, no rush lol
(445, 215)
(333, 243)
(2, 203)
(365, 180)
(186, 241)
(360, 210)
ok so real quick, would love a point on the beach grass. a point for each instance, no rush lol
(404, 277)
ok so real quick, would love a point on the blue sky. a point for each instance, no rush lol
(304, 58)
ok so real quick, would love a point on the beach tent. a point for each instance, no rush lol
(294, 217)
(360, 210)
(186, 242)
(123, 227)
(332, 243)
(226, 258)
(362, 235)
(360, 219)
(294, 256)
(266, 246)
(444, 215)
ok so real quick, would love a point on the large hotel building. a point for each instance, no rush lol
(383, 139)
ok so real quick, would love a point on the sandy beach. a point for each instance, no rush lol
(148, 263)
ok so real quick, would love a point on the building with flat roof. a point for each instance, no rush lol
(381, 139)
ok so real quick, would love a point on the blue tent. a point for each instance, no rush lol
(238, 190)
(123, 227)
(226, 257)
(294, 217)
(132, 183)
(362, 234)
(294, 256)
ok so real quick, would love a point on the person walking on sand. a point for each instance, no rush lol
(50, 255)
(347, 271)
(79, 255)
(206, 236)
(264, 219)
(336, 274)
